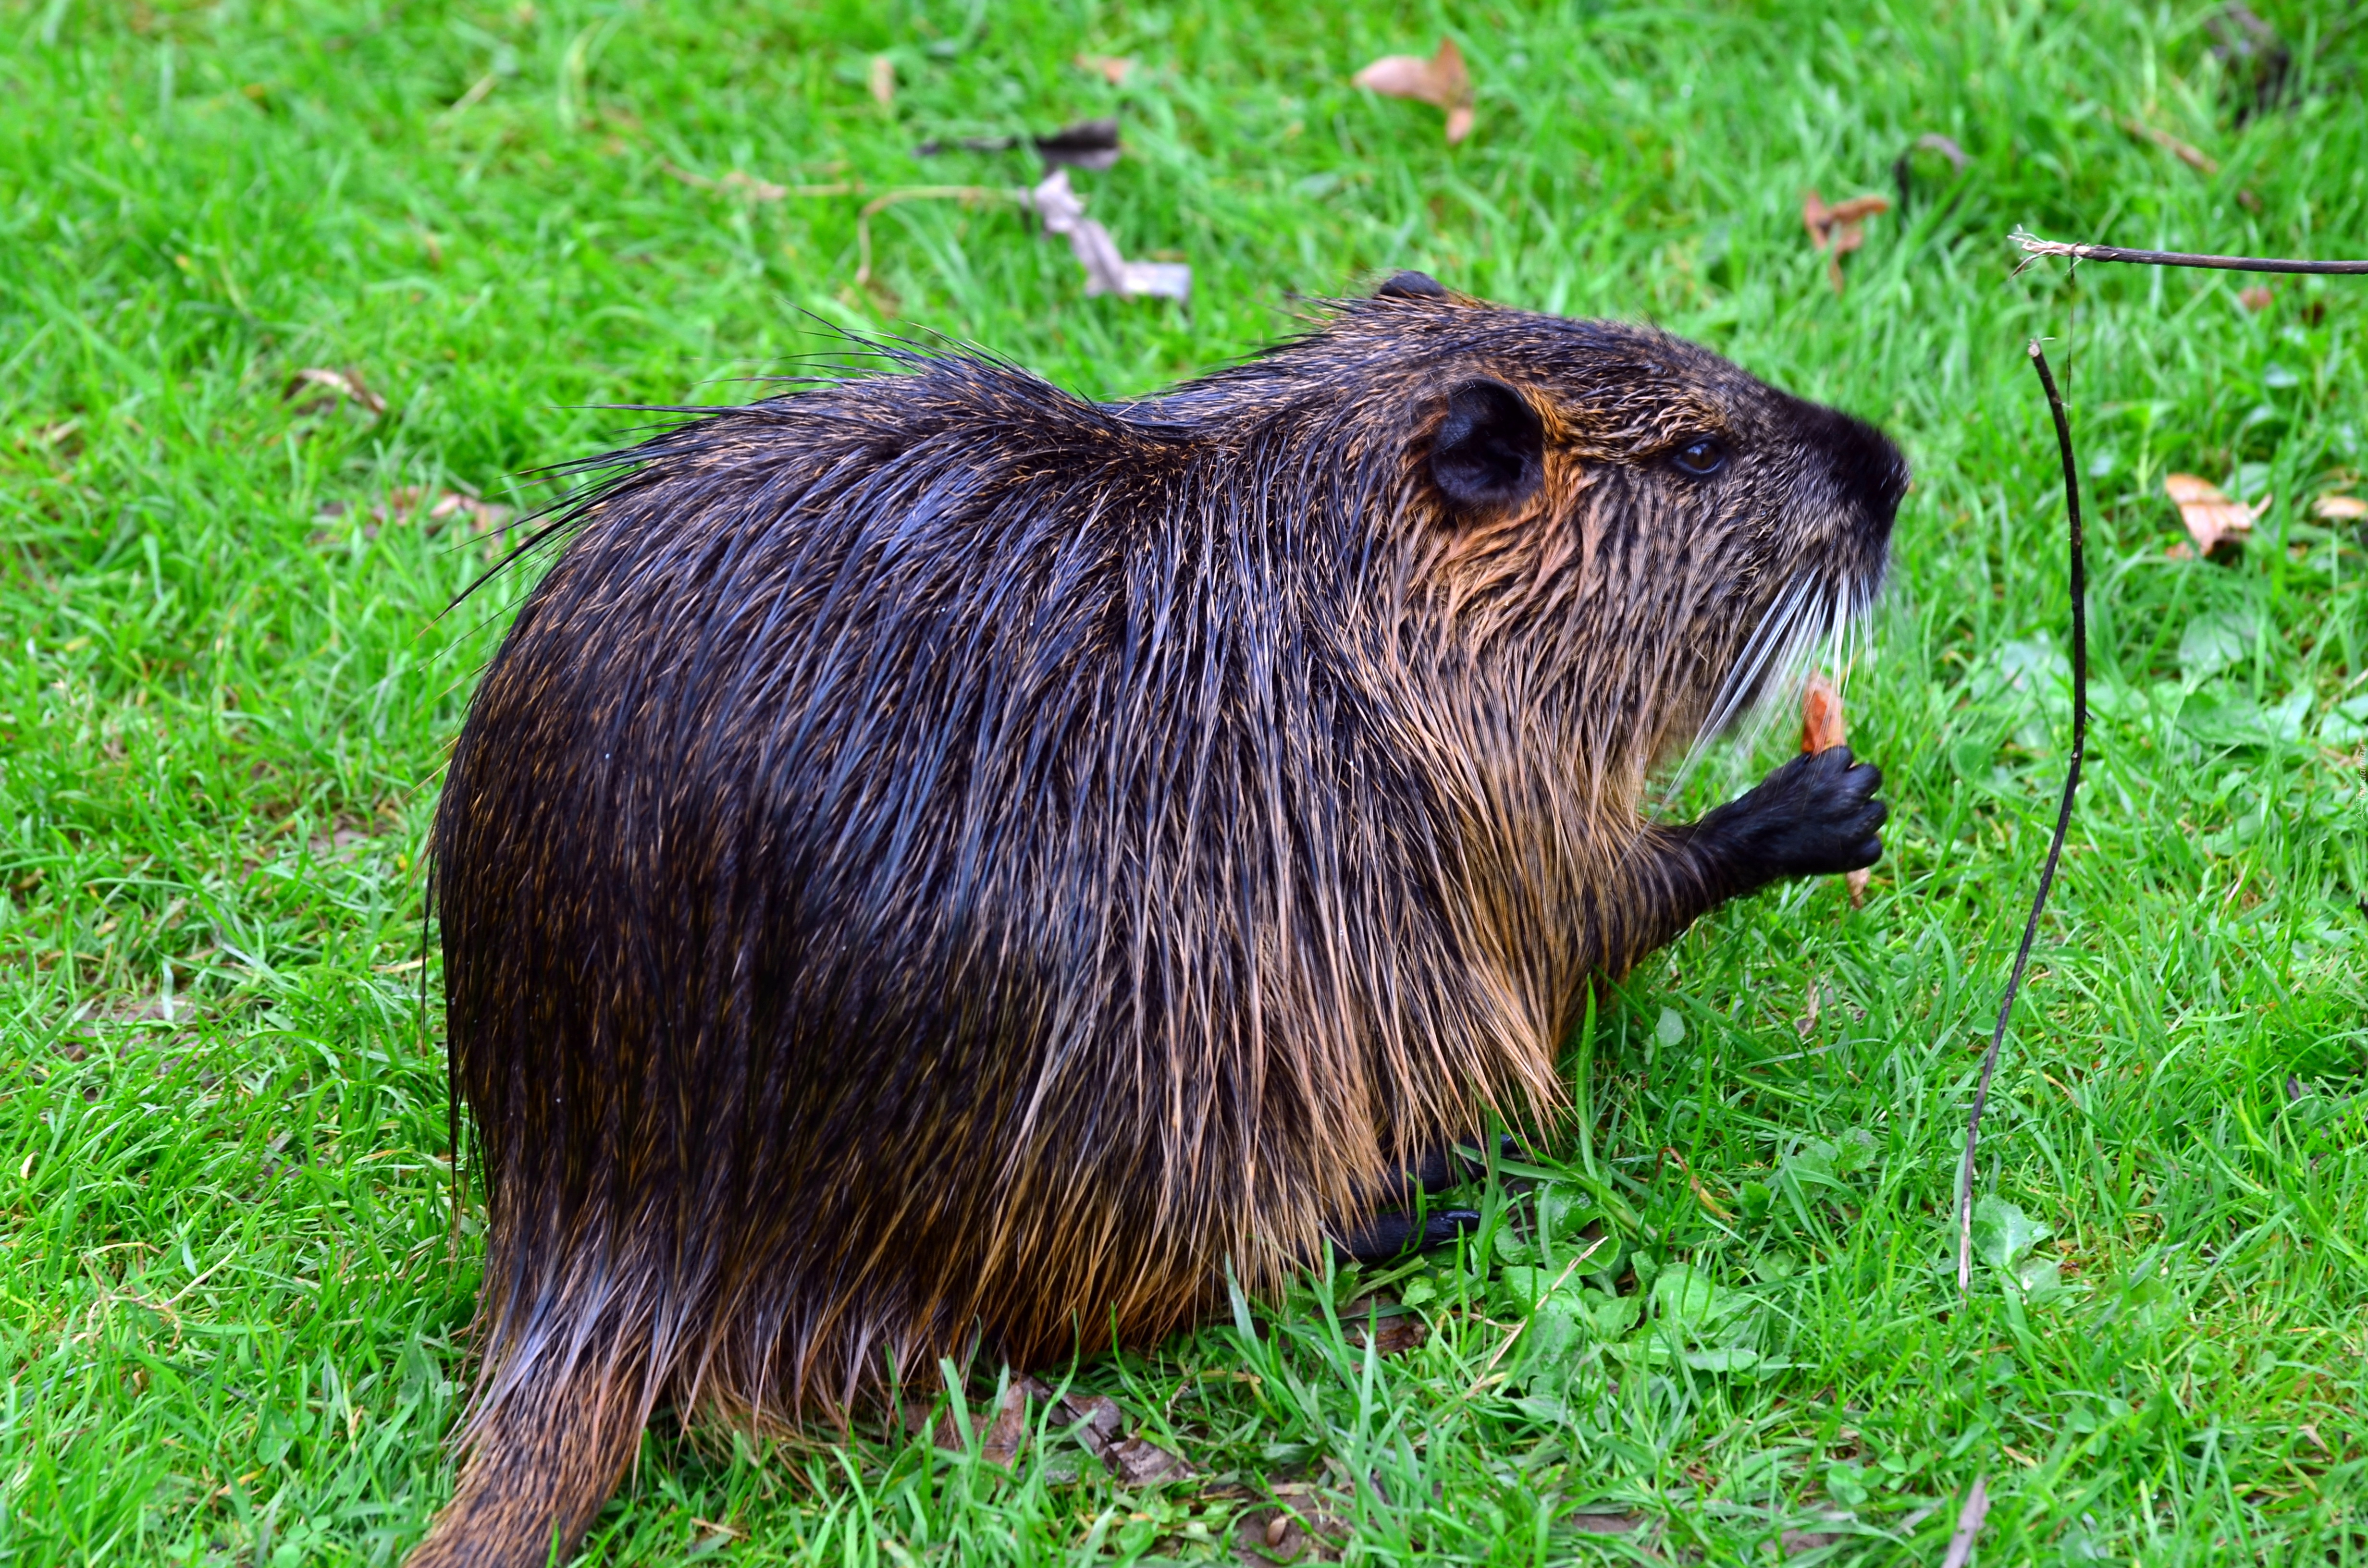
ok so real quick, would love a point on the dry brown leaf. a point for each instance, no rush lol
(1113, 70)
(1823, 727)
(2339, 508)
(1285, 1534)
(1009, 1430)
(882, 79)
(1098, 1424)
(1839, 229)
(346, 384)
(2211, 517)
(1442, 80)
(2255, 298)
(1393, 1336)
(1606, 1524)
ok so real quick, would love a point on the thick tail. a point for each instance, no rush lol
(540, 1457)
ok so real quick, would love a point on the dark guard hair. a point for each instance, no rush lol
(942, 865)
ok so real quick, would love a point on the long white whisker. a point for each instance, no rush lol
(1775, 631)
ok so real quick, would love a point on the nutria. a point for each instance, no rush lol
(941, 866)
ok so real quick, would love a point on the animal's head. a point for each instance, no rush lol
(1606, 507)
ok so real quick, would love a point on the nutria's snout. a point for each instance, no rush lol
(1867, 477)
(1867, 469)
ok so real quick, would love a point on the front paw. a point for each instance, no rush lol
(1814, 816)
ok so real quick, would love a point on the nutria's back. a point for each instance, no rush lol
(938, 862)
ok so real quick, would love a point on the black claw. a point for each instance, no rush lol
(1393, 1234)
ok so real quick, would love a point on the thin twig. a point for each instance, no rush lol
(2034, 246)
(1969, 1525)
(2079, 580)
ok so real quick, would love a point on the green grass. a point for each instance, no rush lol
(234, 1326)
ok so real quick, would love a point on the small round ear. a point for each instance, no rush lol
(1410, 286)
(1490, 450)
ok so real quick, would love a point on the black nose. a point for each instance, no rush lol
(1868, 470)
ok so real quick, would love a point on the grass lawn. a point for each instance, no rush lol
(234, 1321)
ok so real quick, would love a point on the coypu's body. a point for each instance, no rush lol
(938, 863)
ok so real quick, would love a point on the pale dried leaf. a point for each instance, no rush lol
(1606, 1524)
(1824, 727)
(1285, 1534)
(2211, 517)
(1399, 76)
(1839, 229)
(1115, 71)
(1139, 1463)
(1100, 1425)
(2339, 508)
(1442, 80)
(1009, 1430)
(881, 80)
(1389, 1336)
(1797, 1542)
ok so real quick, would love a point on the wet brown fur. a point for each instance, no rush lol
(940, 866)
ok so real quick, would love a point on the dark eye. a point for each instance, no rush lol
(1700, 457)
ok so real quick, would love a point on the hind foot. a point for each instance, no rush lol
(1394, 1234)
(1396, 1231)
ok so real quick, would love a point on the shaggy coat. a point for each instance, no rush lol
(941, 867)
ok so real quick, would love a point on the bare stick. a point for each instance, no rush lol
(2079, 574)
(2034, 246)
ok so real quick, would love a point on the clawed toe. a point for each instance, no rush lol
(1393, 1234)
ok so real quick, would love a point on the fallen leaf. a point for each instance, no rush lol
(1287, 1534)
(882, 79)
(1393, 1336)
(1839, 229)
(1824, 727)
(1133, 1461)
(1115, 71)
(1096, 1422)
(1106, 271)
(1440, 81)
(2211, 517)
(2339, 508)
(345, 384)
(1796, 1542)
(1606, 1524)
(1009, 1430)
(2255, 298)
